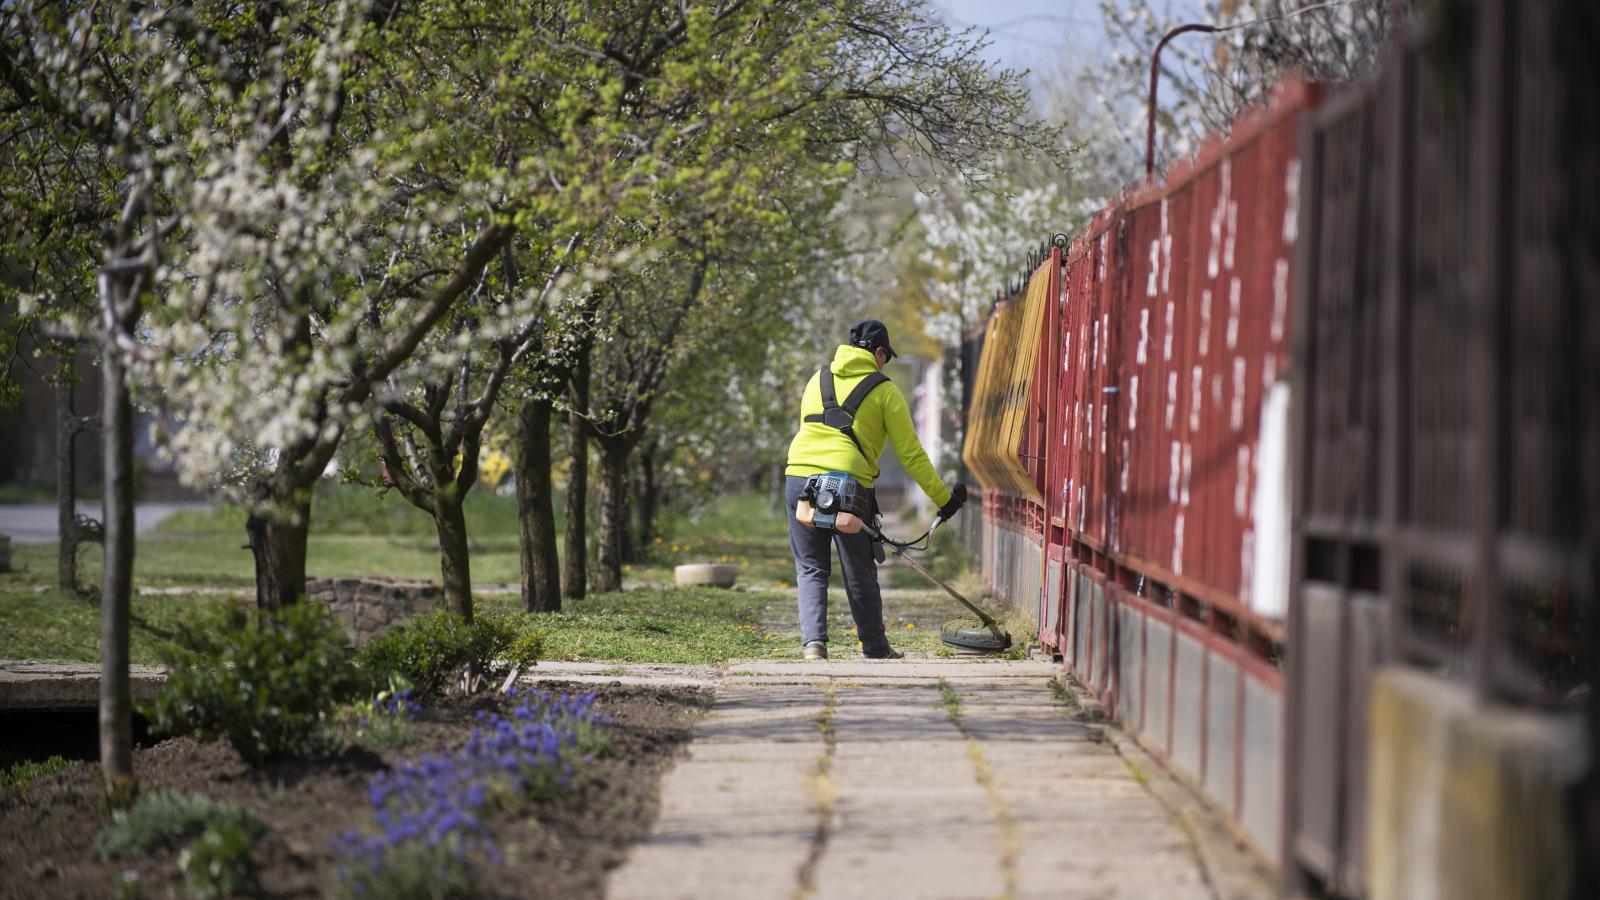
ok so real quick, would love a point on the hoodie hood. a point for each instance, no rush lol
(852, 362)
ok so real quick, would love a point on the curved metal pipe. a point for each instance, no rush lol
(1155, 76)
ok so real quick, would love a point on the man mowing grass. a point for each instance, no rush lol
(838, 443)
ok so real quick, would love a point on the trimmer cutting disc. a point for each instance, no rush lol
(970, 635)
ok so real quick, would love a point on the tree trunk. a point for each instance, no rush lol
(278, 542)
(455, 564)
(116, 583)
(66, 486)
(613, 513)
(536, 517)
(574, 565)
(648, 498)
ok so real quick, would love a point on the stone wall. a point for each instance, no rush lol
(370, 605)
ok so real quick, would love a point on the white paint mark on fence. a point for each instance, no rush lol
(1124, 467)
(1236, 411)
(1291, 206)
(1205, 320)
(1234, 289)
(1195, 387)
(1166, 338)
(1144, 336)
(1280, 298)
(1177, 544)
(1133, 403)
(1155, 268)
(1188, 473)
(1173, 473)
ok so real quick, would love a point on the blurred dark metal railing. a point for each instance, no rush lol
(1447, 345)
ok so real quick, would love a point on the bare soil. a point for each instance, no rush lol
(564, 849)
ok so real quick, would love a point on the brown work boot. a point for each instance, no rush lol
(816, 650)
(890, 653)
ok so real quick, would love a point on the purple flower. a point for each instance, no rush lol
(434, 800)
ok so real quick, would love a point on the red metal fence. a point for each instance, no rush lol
(1429, 496)
(1162, 347)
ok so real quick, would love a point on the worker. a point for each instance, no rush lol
(879, 411)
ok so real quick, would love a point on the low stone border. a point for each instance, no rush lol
(370, 605)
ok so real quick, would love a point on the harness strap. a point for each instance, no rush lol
(852, 403)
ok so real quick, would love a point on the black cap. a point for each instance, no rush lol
(870, 334)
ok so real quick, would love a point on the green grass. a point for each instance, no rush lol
(685, 626)
(27, 770)
(56, 626)
(355, 532)
(747, 530)
(688, 626)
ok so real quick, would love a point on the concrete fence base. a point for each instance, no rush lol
(1467, 800)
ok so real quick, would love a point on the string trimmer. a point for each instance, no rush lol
(989, 638)
(834, 501)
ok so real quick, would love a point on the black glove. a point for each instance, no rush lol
(958, 499)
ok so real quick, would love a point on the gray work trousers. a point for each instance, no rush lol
(813, 563)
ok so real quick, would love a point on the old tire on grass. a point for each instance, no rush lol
(706, 575)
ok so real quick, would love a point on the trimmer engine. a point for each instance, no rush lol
(832, 501)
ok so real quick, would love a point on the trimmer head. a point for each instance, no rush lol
(970, 635)
(984, 635)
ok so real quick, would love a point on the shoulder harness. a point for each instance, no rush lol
(843, 415)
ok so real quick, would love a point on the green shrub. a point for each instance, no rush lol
(23, 772)
(265, 684)
(166, 818)
(428, 651)
(221, 862)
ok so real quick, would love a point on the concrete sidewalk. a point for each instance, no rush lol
(938, 778)
(35, 523)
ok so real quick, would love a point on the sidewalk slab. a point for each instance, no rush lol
(738, 816)
(920, 670)
(912, 819)
(1015, 796)
(648, 674)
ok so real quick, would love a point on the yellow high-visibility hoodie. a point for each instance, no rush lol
(819, 448)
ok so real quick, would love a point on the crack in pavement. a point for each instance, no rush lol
(985, 776)
(826, 797)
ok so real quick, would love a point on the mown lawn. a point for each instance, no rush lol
(355, 532)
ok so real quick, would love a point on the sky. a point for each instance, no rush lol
(1030, 34)
(1040, 34)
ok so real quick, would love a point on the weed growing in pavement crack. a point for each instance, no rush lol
(951, 701)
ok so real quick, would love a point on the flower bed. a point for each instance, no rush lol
(555, 843)
(432, 838)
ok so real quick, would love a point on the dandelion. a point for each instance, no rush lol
(911, 626)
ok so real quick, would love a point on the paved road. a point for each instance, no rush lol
(936, 778)
(35, 523)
